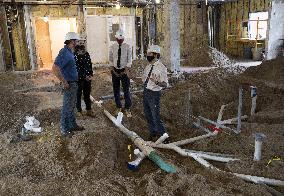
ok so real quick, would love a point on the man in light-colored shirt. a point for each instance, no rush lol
(154, 79)
(120, 57)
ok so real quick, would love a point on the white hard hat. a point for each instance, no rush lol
(154, 48)
(119, 35)
(71, 35)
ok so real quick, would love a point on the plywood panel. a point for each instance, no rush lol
(43, 41)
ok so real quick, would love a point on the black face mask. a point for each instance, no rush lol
(150, 58)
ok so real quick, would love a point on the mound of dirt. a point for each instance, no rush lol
(219, 58)
(270, 71)
(94, 162)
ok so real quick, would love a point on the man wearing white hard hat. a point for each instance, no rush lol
(154, 79)
(120, 57)
(65, 70)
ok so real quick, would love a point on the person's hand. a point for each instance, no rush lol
(65, 85)
(114, 72)
(89, 78)
(154, 78)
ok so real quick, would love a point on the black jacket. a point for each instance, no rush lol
(84, 65)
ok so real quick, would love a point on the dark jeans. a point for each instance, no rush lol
(85, 87)
(151, 103)
(125, 81)
(68, 120)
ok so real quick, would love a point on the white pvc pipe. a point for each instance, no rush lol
(138, 141)
(230, 121)
(257, 151)
(253, 105)
(253, 100)
(119, 118)
(259, 138)
(221, 112)
(202, 161)
(209, 153)
(259, 180)
(190, 140)
(162, 138)
(216, 124)
(198, 125)
(240, 106)
(217, 158)
(187, 153)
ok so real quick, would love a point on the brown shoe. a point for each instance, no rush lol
(90, 113)
(78, 128)
(128, 113)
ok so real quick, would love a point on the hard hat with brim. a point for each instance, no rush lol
(154, 49)
(71, 36)
(119, 35)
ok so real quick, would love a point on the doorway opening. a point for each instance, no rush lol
(49, 34)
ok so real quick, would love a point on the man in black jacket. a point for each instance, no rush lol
(85, 74)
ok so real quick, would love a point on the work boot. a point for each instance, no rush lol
(152, 137)
(90, 113)
(167, 141)
(77, 128)
(128, 113)
(117, 111)
(79, 114)
(67, 134)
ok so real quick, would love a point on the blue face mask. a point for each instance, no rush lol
(150, 58)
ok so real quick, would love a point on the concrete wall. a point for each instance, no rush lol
(276, 28)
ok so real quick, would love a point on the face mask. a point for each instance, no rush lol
(150, 58)
(120, 41)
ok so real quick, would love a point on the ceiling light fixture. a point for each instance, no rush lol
(158, 1)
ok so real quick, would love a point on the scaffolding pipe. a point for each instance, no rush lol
(142, 145)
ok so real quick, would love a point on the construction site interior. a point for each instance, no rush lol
(223, 109)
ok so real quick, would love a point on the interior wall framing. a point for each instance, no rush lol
(193, 32)
(232, 14)
(8, 61)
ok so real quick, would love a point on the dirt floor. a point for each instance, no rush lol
(93, 162)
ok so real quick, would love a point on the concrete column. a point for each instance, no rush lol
(276, 28)
(171, 42)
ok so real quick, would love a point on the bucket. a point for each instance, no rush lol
(257, 54)
(247, 52)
